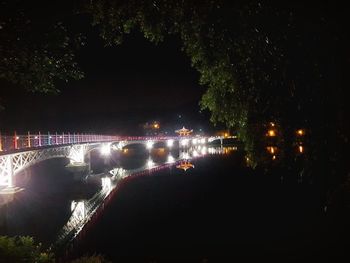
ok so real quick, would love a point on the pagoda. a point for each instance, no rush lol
(184, 132)
(185, 165)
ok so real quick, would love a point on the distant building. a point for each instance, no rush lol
(184, 132)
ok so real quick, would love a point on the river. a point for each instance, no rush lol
(134, 207)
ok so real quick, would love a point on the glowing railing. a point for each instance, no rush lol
(30, 140)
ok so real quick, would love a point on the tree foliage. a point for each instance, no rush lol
(23, 249)
(261, 62)
(35, 51)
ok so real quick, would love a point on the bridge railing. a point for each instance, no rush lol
(147, 138)
(35, 140)
(29, 140)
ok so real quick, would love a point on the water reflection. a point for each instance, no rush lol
(106, 184)
(204, 150)
(195, 153)
(221, 150)
(118, 173)
(150, 163)
(83, 211)
(78, 210)
(171, 159)
(83, 199)
(185, 165)
(184, 155)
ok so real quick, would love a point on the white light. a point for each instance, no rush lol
(120, 145)
(204, 150)
(195, 153)
(76, 205)
(149, 145)
(76, 155)
(211, 150)
(150, 163)
(60, 137)
(184, 142)
(78, 210)
(202, 140)
(194, 141)
(171, 159)
(170, 142)
(106, 183)
(185, 155)
(36, 137)
(50, 137)
(72, 205)
(17, 138)
(105, 149)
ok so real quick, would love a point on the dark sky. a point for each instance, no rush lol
(124, 87)
(127, 85)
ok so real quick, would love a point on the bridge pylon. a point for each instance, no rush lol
(76, 158)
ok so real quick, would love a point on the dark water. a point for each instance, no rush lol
(45, 204)
(218, 211)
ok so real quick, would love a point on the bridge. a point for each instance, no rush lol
(19, 152)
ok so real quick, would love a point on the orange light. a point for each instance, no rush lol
(271, 149)
(226, 134)
(274, 157)
(300, 132)
(271, 133)
(185, 165)
(301, 149)
(156, 126)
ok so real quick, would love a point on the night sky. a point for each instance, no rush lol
(127, 85)
(124, 87)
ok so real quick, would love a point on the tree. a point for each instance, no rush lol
(36, 49)
(261, 62)
(23, 249)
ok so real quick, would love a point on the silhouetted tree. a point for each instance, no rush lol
(35, 47)
(23, 249)
(260, 61)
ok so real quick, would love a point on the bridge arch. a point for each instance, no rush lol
(133, 144)
(12, 164)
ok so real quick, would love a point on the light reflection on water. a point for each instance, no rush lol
(75, 224)
(88, 193)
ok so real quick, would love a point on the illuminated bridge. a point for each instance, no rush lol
(18, 152)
